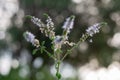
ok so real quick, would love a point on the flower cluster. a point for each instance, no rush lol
(49, 22)
(63, 39)
(93, 29)
(68, 24)
(48, 28)
(59, 40)
(31, 38)
(37, 21)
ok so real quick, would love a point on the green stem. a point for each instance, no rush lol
(57, 66)
(83, 38)
(48, 53)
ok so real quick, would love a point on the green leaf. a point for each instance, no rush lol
(43, 43)
(34, 51)
(52, 47)
(42, 49)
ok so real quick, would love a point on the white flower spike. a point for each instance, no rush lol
(29, 36)
(37, 21)
(69, 23)
(93, 29)
(49, 22)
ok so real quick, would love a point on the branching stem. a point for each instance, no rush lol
(83, 38)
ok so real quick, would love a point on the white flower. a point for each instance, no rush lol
(37, 21)
(57, 39)
(93, 29)
(57, 42)
(29, 37)
(69, 23)
(49, 22)
(66, 23)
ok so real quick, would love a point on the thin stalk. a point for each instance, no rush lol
(83, 38)
(48, 53)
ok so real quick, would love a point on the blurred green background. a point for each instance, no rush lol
(16, 59)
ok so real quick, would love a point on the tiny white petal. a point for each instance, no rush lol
(93, 29)
(36, 21)
(49, 22)
(66, 23)
(29, 36)
(57, 39)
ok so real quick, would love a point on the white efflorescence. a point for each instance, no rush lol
(65, 26)
(36, 21)
(47, 29)
(57, 39)
(29, 36)
(93, 29)
(57, 42)
(49, 22)
(68, 24)
(71, 23)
